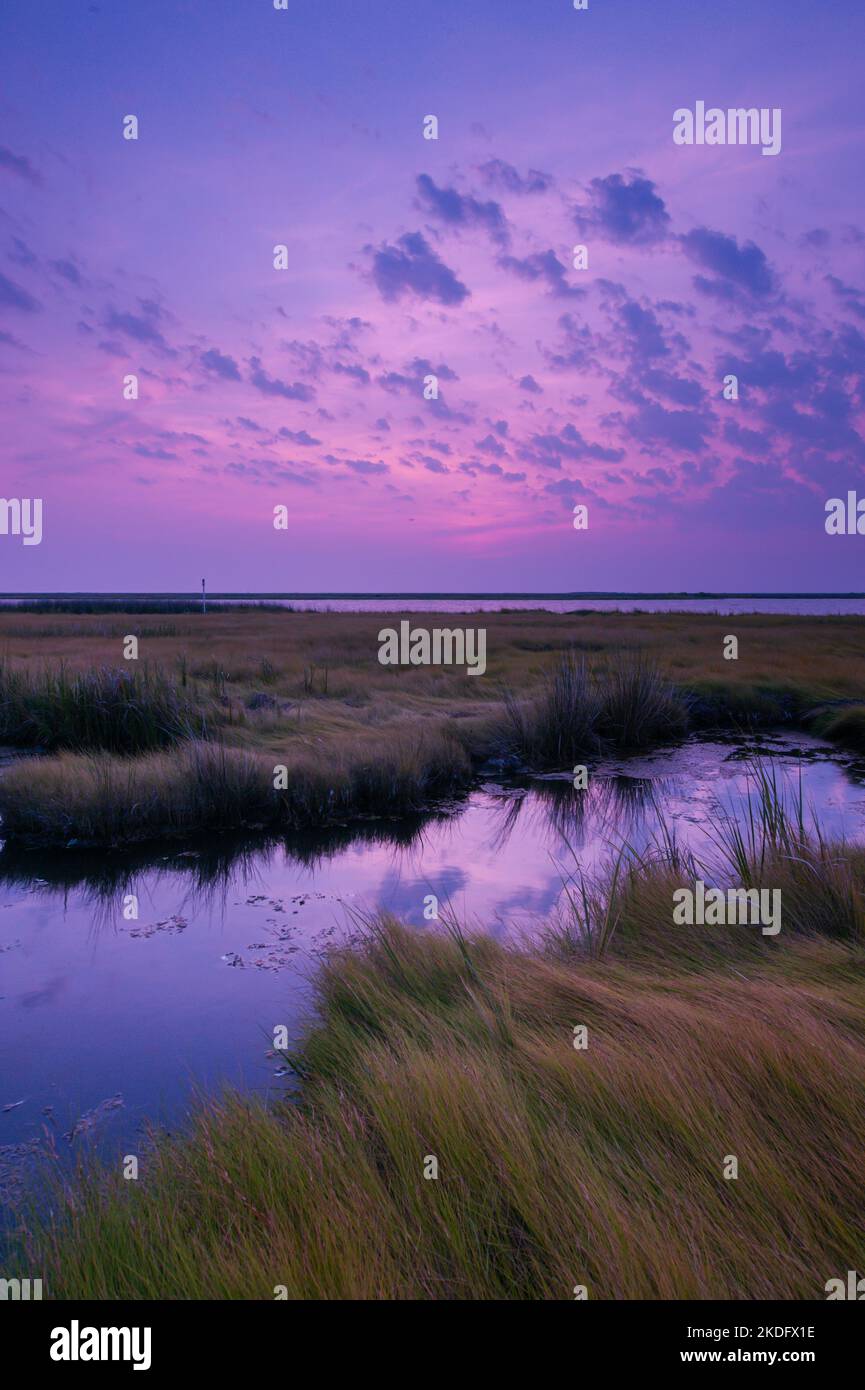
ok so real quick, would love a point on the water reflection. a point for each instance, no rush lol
(95, 1004)
(610, 807)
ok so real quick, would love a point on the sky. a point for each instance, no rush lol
(307, 387)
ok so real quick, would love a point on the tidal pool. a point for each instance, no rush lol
(108, 1022)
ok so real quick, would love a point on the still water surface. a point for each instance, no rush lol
(106, 1023)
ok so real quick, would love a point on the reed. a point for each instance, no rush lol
(556, 1167)
(118, 711)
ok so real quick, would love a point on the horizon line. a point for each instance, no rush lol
(434, 594)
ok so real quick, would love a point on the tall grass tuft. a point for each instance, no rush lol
(556, 1166)
(579, 712)
(639, 706)
(100, 799)
(561, 723)
(774, 846)
(116, 711)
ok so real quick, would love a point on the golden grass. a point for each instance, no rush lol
(287, 654)
(557, 1167)
(306, 690)
(101, 799)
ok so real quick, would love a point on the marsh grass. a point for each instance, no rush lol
(772, 843)
(118, 711)
(141, 605)
(556, 1166)
(638, 704)
(630, 704)
(845, 726)
(778, 844)
(621, 682)
(562, 722)
(200, 786)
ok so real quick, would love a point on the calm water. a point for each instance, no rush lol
(814, 607)
(401, 603)
(105, 1023)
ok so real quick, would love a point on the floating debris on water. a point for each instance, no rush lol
(87, 1122)
(168, 924)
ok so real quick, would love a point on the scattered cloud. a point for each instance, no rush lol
(412, 267)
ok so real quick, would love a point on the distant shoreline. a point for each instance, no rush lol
(216, 596)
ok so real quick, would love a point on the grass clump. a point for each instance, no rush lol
(845, 726)
(562, 722)
(556, 1167)
(99, 799)
(639, 705)
(630, 706)
(118, 711)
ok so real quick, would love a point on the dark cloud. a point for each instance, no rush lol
(624, 211)
(147, 453)
(21, 253)
(653, 424)
(346, 329)
(412, 267)
(353, 370)
(743, 438)
(679, 390)
(461, 209)
(528, 383)
(770, 370)
(474, 466)
(13, 296)
(398, 381)
(645, 338)
(272, 386)
(269, 473)
(68, 270)
(489, 445)
(499, 174)
(738, 269)
(363, 466)
(852, 299)
(573, 490)
(435, 445)
(818, 238)
(550, 449)
(824, 427)
(11, 341)
(19, 164)
(298, 437)
(308, 356)
(413, 384)
(221, 364)
(542, 265)
(141, 329)
(579, 349)
(423, 367)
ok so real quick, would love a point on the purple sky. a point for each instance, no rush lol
(303, 386)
